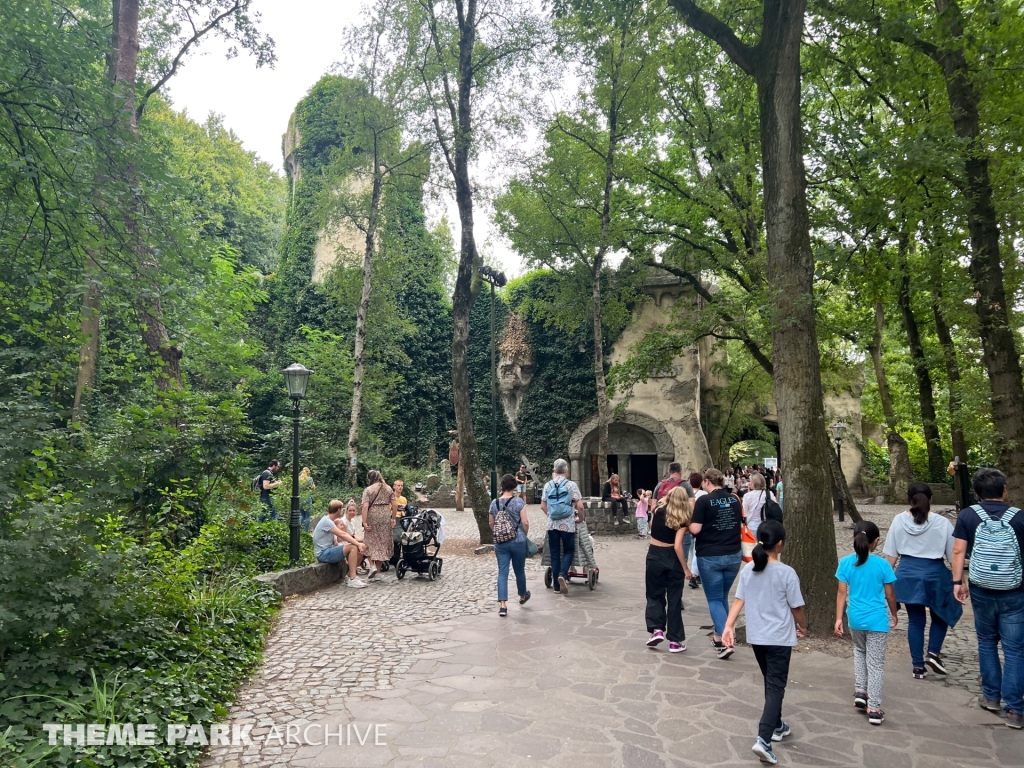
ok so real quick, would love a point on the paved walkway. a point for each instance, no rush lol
(565, 681)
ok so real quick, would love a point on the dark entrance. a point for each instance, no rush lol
(643, 471)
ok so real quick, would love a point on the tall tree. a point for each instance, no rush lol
(774, 64)
(463, 50)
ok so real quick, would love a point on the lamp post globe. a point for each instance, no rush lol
(296, 379)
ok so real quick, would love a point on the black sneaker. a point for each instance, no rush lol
(860, 700)
(934, 663)
(693, 583)
(876, 716)
(920, 673)
(724, 651)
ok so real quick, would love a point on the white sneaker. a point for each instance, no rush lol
(373, 574)
(356, 583)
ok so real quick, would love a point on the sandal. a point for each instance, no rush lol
(503, 611)
(524, 598)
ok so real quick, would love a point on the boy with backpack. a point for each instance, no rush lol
(562, 502)
(992, 532)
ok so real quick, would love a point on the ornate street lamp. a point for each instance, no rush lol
(838, 430)
(296, 378)
(495, 280)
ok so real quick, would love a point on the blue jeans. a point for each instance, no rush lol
(562, 545)
(915, 632)
(687, 543)
(306, 514)
(999, 616)
(717, 575)
(333, 554)
(269, 512)
(513, 552)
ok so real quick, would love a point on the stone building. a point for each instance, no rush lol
(670, 416)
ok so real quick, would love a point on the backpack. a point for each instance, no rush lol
(668, 485)
(256, 486)
(771, 510)
(504, 528)
(995, 557)
(559, 500)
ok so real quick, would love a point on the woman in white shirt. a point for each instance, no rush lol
(754, 501)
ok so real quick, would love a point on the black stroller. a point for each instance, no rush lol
(421, 532)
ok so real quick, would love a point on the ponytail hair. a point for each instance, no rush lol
(864, 534)
(920, 496)
(769, 534)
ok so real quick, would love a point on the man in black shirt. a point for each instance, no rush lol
(717, 520)
(267, 483)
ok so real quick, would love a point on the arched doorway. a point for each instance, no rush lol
(640, 450)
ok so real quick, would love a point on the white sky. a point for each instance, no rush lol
(256, 103)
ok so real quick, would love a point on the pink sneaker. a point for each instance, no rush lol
(657, 637)
(676, 647)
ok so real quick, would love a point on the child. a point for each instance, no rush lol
(865, 580)
(775, 619)
(643, 500)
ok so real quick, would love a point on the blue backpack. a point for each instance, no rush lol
(995, 557)
(559, 500)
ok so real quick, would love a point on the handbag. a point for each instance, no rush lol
(747, 543)
(531, 548)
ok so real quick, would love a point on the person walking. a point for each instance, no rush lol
(334, 543)
(507, 516)
(379, 517)
(716, 528)
(562, 502)
(755, 500)
(613, 493)
(522, 478)
(866, 592)
(266, 483)
(919, 541)
(643, 502)
(306, 488)
(695, 480)
(667, 571)
(770, 590)
(993, 533)
(675, 478)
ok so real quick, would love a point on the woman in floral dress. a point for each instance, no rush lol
(379, 516)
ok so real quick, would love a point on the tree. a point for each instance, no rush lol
(774, 64)
(462, 50)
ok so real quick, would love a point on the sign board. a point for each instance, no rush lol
(771, 463)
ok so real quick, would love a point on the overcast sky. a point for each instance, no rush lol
(256, 103)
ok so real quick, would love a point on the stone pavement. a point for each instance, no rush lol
(564, 681)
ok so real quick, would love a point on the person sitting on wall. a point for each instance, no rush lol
(613, 493)
(330, 529)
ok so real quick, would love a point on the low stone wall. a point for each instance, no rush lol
(599, 518)
(298, 581)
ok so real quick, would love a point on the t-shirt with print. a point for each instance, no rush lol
(322, 536)
(866, 608)
(514, 507)
(567, 524)
(720, 517)
(768, 599)
(968, 521)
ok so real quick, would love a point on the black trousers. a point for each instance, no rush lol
(774, 663)
(620, 508)
(665, 580)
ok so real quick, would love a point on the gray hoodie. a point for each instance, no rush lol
(933, 539)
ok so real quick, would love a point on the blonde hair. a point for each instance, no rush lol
(333, 507)
(678, 510)
(757, 482)
(351, 503)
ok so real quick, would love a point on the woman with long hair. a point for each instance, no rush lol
(380, 513)
(920, 540)
(775, 620)
(613, 494)
(667, 570)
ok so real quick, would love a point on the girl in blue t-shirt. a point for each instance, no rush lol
(867, 594)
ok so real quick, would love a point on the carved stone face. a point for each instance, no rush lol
(515, 367)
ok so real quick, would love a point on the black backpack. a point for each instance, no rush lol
(256, 486)
(771, 510)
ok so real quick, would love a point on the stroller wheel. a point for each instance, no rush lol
(592, 579)
(547, 577)
(386, 565)
(400, 569)
(434, 570)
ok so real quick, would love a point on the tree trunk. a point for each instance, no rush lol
(929, 423)
(775, 66)
(467, 285)
(986, 269)
(603, 409)
(900, 477)
(956, 429)
(88, 355)
(364, 306)
(796, 359)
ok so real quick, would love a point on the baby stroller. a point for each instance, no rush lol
(584, 566)
(421, 532)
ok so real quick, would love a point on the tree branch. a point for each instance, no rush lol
(711, 26)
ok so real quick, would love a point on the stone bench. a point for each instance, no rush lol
(299, 581)
(600, 521)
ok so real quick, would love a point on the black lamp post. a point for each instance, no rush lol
(838, 430)
(296, 378)
(495, 280)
